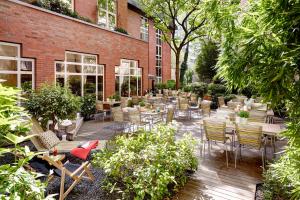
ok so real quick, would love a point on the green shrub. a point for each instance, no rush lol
(60, 7)
(243, 114)
(199, 88)
(88, 106)
(171, 84)
(121, 30)
(160, 86)
(130, 103)
(115, 97)
(216, 88)
(228, 97)
(142, 103)
(15, 181)
(52, 103)
(148, 165)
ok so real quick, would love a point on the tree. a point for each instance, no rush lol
(53, 103)
(206, 61)
(188, 76)
(184, 66)
(260, 47)
(173, 15)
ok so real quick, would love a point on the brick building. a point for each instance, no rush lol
(38, 46)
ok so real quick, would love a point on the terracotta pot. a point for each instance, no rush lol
(207, 97)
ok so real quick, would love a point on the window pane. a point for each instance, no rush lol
(9, 65)
(74, 68)
(103, 4)
(74, 83)
(112, 21)
(102, 19)
(100, 69)
(89, 85)
(60, 67)
(100, 87)
(72, 57)
(132, 71)
(124, 71)
(7, 50)
(112, 6)
(133, 64)
(124, 81)
(89, 69)
(139, 86)
(133, 86)
(60, 80)
(10, 79)
(26, 65)
(117, 85)
(90, 59)
(26, 82)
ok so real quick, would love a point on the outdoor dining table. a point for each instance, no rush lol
(153, 116)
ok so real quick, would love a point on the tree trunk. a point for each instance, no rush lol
(177, 57)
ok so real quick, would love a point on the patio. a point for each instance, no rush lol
(212, 180)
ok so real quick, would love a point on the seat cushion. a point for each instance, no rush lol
(84, 150)
(49, 139)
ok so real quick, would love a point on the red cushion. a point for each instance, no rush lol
(83, 153)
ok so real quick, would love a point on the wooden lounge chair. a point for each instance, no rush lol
(75, 171)
(62, 146)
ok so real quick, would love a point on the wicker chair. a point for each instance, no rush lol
(215, 131)
(118, 117)
(101, 112)
(124, 102)
(170, 115)
(221, 101)
(205, 107)
(257, 116)
(136, 120)
(251, 137)
(183, 107)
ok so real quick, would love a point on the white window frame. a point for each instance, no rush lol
(107, 13)
(144, 29)
(139, 73)
(65, 74)
(19, 59)
(158, 55)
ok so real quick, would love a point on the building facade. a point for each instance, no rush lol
(38, 46)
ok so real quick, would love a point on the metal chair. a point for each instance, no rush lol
(215, 131)
(170, 115)
(136, 120)
(250, 136)
(118, 117)
(205, 107)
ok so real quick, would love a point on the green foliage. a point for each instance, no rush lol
(88, 105)
(148, 165)
(171, 84)
(130, 103)
(115, 97)
(142, 103)
(15, 182)
(206, 61)
(188, 76)
(60, 7)
(184, 66)
(228, 97)
(160, 86)
(198, 88)
(121, 30)
(52, 103)
(243, 114)
(260, 48)
(216, 88)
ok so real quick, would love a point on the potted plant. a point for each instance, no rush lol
(142, 103)
(244, 115)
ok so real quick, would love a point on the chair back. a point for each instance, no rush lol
(183, 103)
(249, 135)
(257, 116)
(159, 105)
(135, 100)
(233, 105)
(221, 101)
(134, 116)
(117, 114)
(36, 129)
(214, 130)
(124, 102)
(99, 106)
(170, 115)
(194, 98)
(205, 106)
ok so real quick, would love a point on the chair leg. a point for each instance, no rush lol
(235, 156)
(226, 154)
(62, 184)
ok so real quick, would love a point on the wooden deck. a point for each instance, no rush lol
(212, 180)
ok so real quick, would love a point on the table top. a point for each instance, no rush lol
(268, 129)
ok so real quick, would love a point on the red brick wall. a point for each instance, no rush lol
(134, 23)
(122, 14)
(166, 62)
(46, 37)
(87, 8)
(152, 50)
